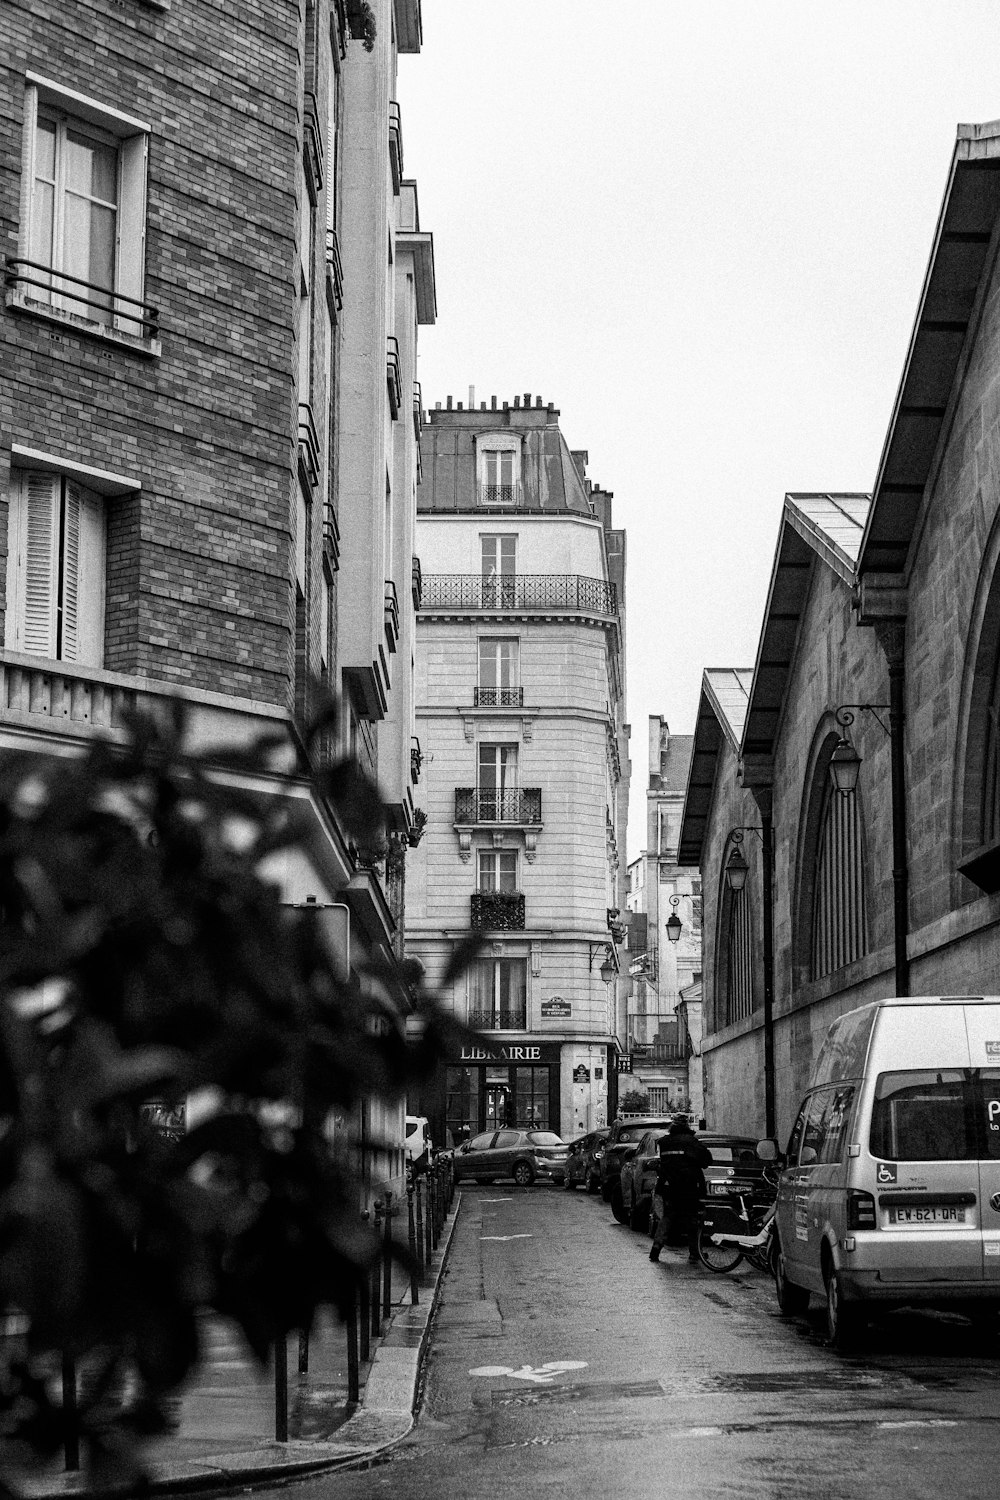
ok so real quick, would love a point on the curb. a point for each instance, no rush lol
(384, 1417)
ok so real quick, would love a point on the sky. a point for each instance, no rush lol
(701, 230)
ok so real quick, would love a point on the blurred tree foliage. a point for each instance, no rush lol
(635, 1102)
(143, 956)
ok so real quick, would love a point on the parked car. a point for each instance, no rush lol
(583, 1164)
(891, 1191)
(521, 1154)
(632, 1198)
(736, 1167)
(622, 1137)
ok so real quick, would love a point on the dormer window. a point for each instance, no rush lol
(498, 470)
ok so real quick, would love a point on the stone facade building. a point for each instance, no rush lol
(520, 715)
(214, 276)
(878, 657)
(658, 1036)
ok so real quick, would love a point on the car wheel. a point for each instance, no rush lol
(568, 1182)
(792, 1300)
(523, 1175)
(618, 1205)
(638, 1219)
(845, 1321)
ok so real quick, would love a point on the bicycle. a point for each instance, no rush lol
(727, 1235)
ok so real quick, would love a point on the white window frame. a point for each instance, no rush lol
(493, 487)
(501, 656)
(489, 874)
(131, 137)
(56, 568)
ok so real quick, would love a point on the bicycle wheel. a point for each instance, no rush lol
(718, 1258)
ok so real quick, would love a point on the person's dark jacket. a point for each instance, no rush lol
(680, 1176)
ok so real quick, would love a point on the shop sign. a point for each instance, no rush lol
(581, 1074)
(557, 1005)
(502, 1054)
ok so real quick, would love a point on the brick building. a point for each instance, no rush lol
(520, 713)
(214, 275)
(885, 608)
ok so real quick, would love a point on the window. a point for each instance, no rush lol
(55, 569)
(497, 782)
(83, 211)
(498, 465)
(499, 659)
(822, 1129)
(498, 869)
(531, 1100)
(498, 994)
(739, 958)
(838, 931)
(499, 561)
(928, 1116)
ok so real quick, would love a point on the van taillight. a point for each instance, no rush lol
(860, 1210)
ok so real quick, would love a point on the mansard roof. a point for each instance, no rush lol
(725, 693)
(946, 317)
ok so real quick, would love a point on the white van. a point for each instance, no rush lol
(891, 1189)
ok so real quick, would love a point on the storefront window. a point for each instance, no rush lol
(462, 1103)
(532, 1098)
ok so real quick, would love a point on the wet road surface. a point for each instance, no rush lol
(563, 1363)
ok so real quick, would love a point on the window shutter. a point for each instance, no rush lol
(37, 563)
(130, 271)
(27, 168)
(90, 582)
(69, 644)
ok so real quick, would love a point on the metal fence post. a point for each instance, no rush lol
(364, 1310)
(71, 1424)
(387, 1258)
(281, 1388)
(414, 1280)
(420, 1225)
(353, 1379)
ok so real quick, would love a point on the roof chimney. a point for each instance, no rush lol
(472, 398)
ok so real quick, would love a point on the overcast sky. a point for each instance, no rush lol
(701, 230)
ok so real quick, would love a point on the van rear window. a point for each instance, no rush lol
(929, 1116)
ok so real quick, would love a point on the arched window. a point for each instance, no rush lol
(739, 958)
(838, 914)
(977, 762)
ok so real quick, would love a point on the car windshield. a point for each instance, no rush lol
(544, 1138)
(633, 1132)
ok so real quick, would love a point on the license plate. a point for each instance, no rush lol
(720, 1187)
(932, 1214)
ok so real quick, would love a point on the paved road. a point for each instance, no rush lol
(563, 1363)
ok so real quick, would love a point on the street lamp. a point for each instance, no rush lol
(736, 870)
(845, 763)
(674, 924)
(609, 968)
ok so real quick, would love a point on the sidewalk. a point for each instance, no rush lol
(225, 1417)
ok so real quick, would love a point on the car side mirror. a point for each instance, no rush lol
(465, 1149)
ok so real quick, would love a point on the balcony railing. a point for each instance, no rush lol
(395, 145)
(331, 532)
(313, 141)
(502, 1018)
(334, 273)
(416, 582)
(308, 445)
(30, 283)
(498, 911)
(498, 697)
(391, 614)
(416, 759)
(503, 495)
(522, 805)
(520, 591)
(393, 383)
(418, 410)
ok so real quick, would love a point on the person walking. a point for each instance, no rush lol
(680, 1182)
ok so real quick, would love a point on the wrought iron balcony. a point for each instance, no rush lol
(520, 591)
(334, 273)
(393, 382)
(418, 410)
(505, 496)
(391, 614)
(308, 445)
(37, 287)
(416, 582)
(522, 805)
(395, 145)
(498, 697)
(416, 759)
(498, 911)
(312, 135)
(502, 1018)
(331, 533)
